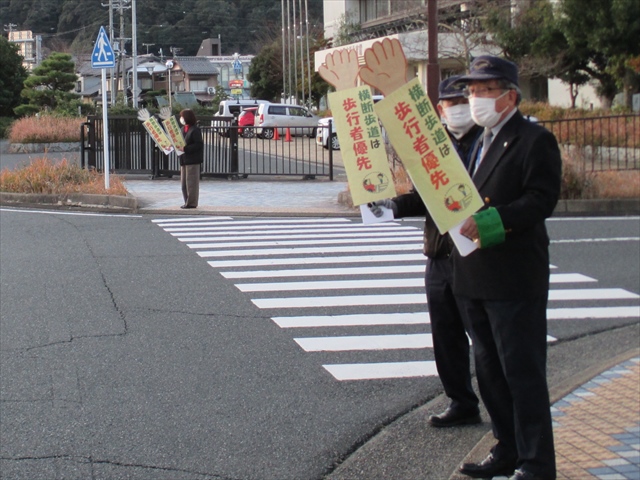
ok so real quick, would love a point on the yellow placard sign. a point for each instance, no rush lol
(427, 153)
(362, 145)
(157, 133)
(174, 132)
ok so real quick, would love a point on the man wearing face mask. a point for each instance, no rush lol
(502, 287)
(450, 342)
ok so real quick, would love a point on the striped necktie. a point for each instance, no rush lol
(486, 142)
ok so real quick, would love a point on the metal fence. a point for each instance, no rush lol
(229, 151)
(600, 143)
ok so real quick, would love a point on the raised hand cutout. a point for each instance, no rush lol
(340, 69)
(385, 66)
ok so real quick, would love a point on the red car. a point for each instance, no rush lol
(245, 119)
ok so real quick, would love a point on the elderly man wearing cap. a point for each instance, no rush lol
(450, 342)
(502, 288)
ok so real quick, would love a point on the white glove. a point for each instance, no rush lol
(387, 203)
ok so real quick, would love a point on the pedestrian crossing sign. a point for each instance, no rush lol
(103, 56)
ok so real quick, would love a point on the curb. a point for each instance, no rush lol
(619, 206)
(591, 207)
(111, 202)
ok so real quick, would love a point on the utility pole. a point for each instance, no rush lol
(9, 28)
(134, 53)
(148, 45)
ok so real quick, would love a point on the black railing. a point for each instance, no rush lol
(600, 143)
(230, 151)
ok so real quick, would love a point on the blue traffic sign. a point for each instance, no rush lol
(103, 56)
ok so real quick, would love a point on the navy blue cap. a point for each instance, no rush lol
(487, 67)
(449, 89)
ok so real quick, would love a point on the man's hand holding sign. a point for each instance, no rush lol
(358, 128)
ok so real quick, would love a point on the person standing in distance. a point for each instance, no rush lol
(502, 288)
(450, 342)
(191, 159)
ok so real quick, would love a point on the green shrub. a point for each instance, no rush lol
(5, 124)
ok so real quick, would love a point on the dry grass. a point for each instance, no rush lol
(45, 129)
(617, 184)
(60, 178)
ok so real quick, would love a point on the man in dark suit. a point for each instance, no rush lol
(450, 342)
(502, 288)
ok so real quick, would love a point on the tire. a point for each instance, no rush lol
(335, 143)
(248, 133)
(267, 133)
(313, 133)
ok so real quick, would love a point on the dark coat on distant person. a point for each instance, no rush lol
(194, 148)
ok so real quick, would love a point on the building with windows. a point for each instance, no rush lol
(357, 24)
(30, 47)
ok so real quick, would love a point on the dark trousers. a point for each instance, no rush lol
(190, 182)
(510, 347)
(450, 341)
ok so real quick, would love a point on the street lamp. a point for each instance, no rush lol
(169, 66)
(150, 70)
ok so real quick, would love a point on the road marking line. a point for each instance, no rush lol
(257, 224)
(316, 260)
(378, 371)
(248, 238)
(593, 312)
(591, 294)
(307, 250)
(77, 214)
(365, 342)
(595, 240)
(164, 221)
(407, 299)
(374, 283)
(320, 272)
(302, 233)
(352, 320)
(315, 241)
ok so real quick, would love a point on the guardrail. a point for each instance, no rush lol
(602, 143)
(229, 151)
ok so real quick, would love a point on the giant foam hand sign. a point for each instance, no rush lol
(152, 126)
(358, 129)
(420, 140)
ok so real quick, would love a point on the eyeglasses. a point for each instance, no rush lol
(480, 92)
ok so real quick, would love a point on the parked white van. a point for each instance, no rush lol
(279, 115)
(232, 108)
(229, 108)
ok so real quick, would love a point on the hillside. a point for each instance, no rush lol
(72, 26)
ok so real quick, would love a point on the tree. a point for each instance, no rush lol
(265, 73)
(609, 30)
(571, 42)
(12, 77)
(50, 84)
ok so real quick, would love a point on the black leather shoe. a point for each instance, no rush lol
(451, 417)
(524, 475)
(188, 206)
(489, 467)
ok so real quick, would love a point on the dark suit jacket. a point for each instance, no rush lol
(520, 176)
(194, 148)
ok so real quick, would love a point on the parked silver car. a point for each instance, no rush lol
(279, 115)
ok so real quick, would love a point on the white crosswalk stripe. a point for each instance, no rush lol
(384, 260)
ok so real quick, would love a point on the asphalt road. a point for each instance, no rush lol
(130, 349)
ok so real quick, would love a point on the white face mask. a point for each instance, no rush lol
(458, 118)
(182, 121)
(483, 110)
